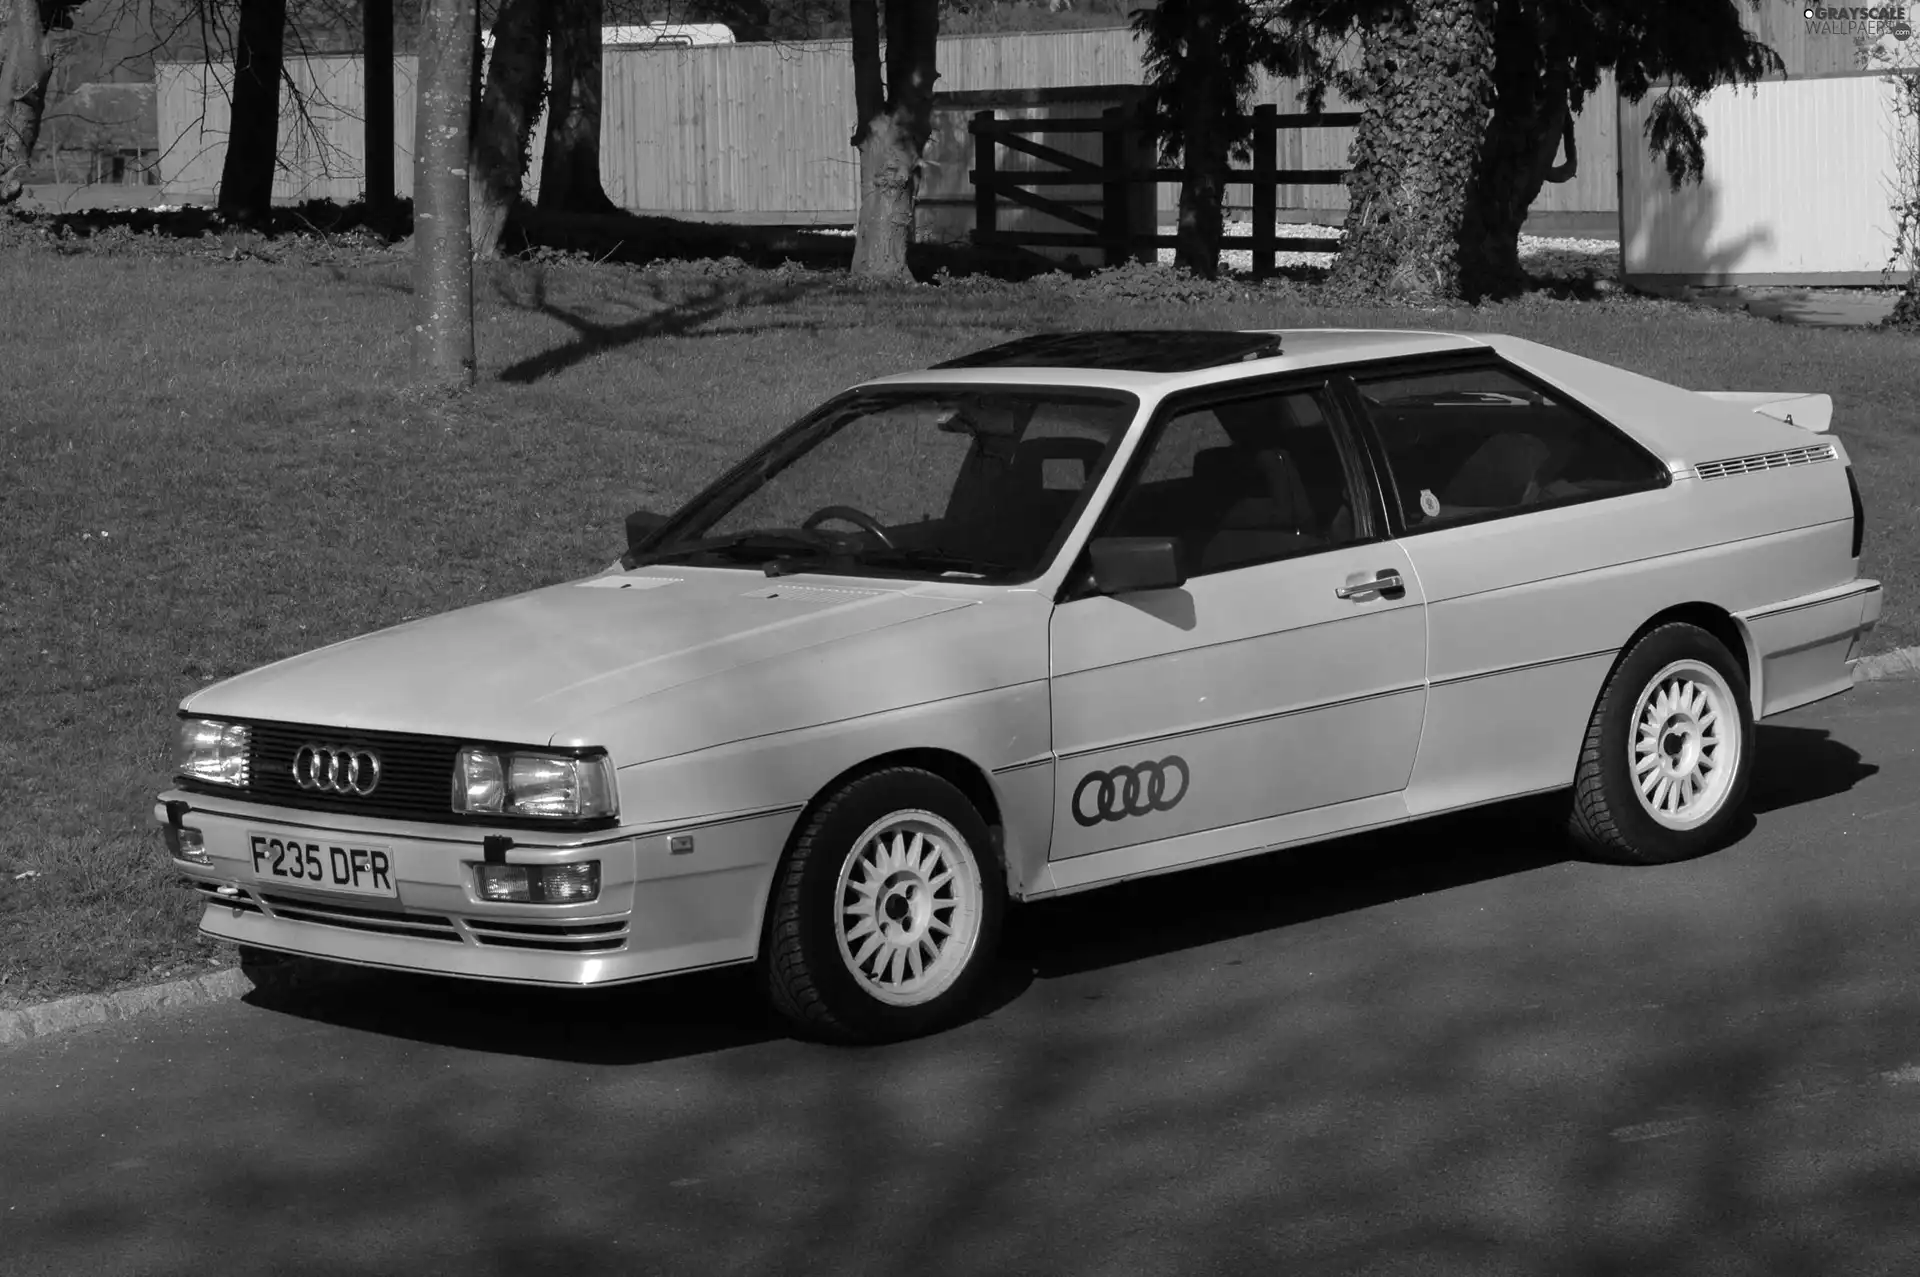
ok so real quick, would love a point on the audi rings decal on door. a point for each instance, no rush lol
(332, 769)
(1130, 791)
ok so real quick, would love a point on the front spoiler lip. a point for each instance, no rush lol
(526, 981)
(464, 961)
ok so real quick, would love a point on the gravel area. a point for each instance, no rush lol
(1544, 256)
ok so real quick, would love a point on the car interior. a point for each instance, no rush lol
(1008, 508)
(1275, 489)
(1466, 454)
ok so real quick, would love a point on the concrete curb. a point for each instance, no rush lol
(25, 1024)
(1901, 663)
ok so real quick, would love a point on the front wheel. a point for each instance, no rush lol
(885, 912)
(1667, 758)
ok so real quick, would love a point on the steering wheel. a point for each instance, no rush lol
(866, 521)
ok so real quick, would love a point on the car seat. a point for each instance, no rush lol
(1258, 507)
(1502, 472)
(1003, 510)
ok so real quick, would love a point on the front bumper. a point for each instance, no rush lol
(660, 910)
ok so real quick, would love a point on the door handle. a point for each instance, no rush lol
(1386, 583)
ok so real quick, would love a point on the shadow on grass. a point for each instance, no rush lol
(674, 319)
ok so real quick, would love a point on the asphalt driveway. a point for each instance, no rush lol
(1447, 1050)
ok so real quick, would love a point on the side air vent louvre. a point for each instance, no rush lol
(1764, 461)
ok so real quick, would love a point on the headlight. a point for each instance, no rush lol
(212, 751)
(529, 783)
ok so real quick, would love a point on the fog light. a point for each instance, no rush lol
(538, 884)
(186, 844)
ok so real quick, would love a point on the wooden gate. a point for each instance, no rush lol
(1125, 225)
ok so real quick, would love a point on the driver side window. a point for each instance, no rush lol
(1241, 482)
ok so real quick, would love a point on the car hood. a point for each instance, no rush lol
(522, 669)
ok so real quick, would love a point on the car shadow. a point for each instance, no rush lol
(1151, 916)
(717, 1010)
(1795, 765)
(634, 1024)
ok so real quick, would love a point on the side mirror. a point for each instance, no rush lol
(641, 526)
(1122, 565)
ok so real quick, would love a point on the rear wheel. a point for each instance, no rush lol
(1664, 769)
(885, 912)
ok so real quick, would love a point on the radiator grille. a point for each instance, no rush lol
(1764, 461)
(416, 772)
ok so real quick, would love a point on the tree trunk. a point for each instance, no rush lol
(253, 137)
(1531, 117)
(888, 160)
(442, 239)
(1428, 90)
(892, 133)
(503, 130)
(376, 21)
(570, 168)
(25, 68)
(1204, 145)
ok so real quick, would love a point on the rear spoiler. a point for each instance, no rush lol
(1809, 412)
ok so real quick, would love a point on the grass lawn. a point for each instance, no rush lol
(208, 465)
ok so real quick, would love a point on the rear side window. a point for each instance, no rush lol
(1470, 444)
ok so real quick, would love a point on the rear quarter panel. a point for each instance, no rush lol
(1527, 614)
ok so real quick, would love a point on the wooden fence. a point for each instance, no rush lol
(759, 132)
(1126, 226)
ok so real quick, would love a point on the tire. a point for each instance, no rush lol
(838, 964)
(1675, 712)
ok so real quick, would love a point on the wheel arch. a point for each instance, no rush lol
(1716, 621)
(957, 769)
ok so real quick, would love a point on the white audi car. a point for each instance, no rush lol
(1071, 610)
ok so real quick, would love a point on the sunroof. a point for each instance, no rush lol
(1134, 350)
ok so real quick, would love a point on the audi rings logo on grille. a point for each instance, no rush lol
(1130, 791)
(332, 769)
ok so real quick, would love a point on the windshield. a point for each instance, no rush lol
(973, 483)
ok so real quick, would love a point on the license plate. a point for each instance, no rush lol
(330, 866)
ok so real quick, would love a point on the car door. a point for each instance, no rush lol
(1286, 675)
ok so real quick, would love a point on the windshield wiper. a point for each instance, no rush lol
(757, 544)
(931, 558)
(782, 553)
(885, 557)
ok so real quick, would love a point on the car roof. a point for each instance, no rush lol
(1168, 359)
(1674, 422)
